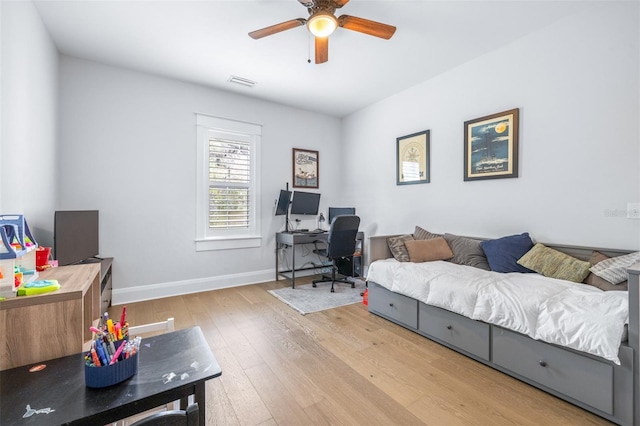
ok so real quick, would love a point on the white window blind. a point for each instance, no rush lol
(229, 184)
(228, 199)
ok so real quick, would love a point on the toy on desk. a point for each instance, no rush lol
(15, 236)
(38, 287)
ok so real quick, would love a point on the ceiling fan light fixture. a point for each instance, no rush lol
(322, 24)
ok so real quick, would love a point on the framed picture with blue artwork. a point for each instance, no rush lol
(491, 146)
(412, 158)
(305, 168)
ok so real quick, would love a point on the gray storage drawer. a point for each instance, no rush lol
(463, 333)
(585, 379)
(394, 306)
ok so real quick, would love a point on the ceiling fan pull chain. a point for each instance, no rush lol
(308, 48)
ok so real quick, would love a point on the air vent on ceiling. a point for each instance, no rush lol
(242, 81)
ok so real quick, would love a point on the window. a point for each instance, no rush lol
(228, 200)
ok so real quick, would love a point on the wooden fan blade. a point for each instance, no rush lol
(274, 29)
(307, 3)
(340, 3)
(322, 50)
(366, 26)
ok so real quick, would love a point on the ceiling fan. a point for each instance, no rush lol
(322, 22)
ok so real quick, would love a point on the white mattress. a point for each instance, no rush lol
(576, 316)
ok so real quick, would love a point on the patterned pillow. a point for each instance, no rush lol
(596, 281)
(397, 247)
(428, 250)
(423, 234)
(555, 264)
(467, 251)
(614, 269)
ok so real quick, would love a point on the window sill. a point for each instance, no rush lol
(228, 243)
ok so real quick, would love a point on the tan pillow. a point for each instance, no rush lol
(601, 283)
(428, 250)
(555, 264)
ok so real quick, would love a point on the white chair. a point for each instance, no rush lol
(138, 330)
(168, 325)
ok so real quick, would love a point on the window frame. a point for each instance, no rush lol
(223, 239)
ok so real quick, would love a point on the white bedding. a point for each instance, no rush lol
(561, 312)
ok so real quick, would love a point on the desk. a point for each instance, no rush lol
(56, 323)
(291, 239)
(60, 387)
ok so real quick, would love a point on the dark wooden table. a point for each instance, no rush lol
(172, 366)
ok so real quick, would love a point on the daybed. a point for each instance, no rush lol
(527, 325)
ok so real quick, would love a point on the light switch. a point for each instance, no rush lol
(633, 210)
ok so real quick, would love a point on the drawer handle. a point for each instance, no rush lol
(449, 327)
(542, 363)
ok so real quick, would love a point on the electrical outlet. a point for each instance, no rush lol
(633, 210)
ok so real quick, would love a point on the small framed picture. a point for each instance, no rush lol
(491, 146)
(305, 168)
(412, 158)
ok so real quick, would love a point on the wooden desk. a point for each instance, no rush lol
(60, 387)
(291, 239)
(50, 325)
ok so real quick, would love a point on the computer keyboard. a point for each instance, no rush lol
(306, 231)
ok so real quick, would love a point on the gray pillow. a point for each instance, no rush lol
(422, 234)
(467, 251)
(397, 247)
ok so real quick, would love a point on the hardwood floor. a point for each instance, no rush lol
(342, 366)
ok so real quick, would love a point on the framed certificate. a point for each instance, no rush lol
(412, 158)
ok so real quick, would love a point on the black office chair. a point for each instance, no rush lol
(188, 417)
(341, 243)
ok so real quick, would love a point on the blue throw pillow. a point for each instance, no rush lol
(503, 253)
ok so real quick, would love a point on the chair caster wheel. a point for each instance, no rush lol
(333, 291)
(313, 285)
(353, 285)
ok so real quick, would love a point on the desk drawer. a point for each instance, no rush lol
(585, 379)
(463, 333)
(397, 307)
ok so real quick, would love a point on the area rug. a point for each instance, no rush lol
(306, 299)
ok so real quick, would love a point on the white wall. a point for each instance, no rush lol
(576, 84)
(128, 149)
(28, 169)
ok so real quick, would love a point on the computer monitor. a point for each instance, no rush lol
(283, 202)
(336, 211)
(305, 203)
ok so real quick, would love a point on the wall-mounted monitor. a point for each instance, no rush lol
(336, 211)
(283, 202)
(305, 203)
(75, 236)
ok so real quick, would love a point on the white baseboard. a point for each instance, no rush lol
(177, 288)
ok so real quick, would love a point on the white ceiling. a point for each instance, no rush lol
(205, 42)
